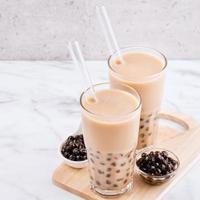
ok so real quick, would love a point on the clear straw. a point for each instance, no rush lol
(108, 30)
(80, 62)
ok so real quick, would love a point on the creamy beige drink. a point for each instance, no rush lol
(142, 69)
(110, 129)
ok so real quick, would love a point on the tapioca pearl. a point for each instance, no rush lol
(110, 154)
(125, 181)
(108, 182)
(98, 152)
(119, 179)
(113, 164)
(147, 129)
(108, 159)
(108, 175)
(122, 164)
(98, 183)
(147, 121)
(149, 134)
(141, 119)
(130, 160)
(116, 158)
(118, 171)
(142, 141)
(91, 177)
(141, 135)
(97, 157)
(142, 126)
(127, 174)
(100, 171)
(101, 163)
(109, 169)
(91, 154)
(92, 160)
(115, 185)
(121, 154)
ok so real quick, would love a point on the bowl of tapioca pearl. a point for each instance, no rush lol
(156, 165)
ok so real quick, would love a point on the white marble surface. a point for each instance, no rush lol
(39, 107)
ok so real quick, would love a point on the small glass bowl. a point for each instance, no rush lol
(153, 179)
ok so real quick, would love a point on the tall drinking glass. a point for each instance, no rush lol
(144, 70)
(110, 129)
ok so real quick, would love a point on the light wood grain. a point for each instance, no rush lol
(185, 144)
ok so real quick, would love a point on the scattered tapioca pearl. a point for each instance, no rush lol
(92, 160)
(147, 128)
(147, 121)
(125, 181)
(141, 135)
(109, 169)
(149, 134)
(98, 183)
(127, 174)
(142, 126)
(91, 178)
(119, 179)
(118, 171)
(113, 164)
(100, 172)
(123, 164)
(141, 119)
(142, 141)
(108, 182)
(101, 163)
(97, 157)
(109, 159)
(115, 185)
(108, 175)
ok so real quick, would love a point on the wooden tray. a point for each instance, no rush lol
(186, 144)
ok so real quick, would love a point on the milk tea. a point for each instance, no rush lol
(144, 71)
(110, 129)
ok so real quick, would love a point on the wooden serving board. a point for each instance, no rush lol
(186, 144)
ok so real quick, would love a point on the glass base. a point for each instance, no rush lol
(112, 193)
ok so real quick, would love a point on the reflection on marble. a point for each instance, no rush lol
(39, 106)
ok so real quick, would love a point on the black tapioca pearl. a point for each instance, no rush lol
(108, 175)
(108, 182)
(91, 178)
(118, 171)
(141, 135)
(109, 169)
(115, 185)
(123, 164)
(91, 154)
(147, 121)
(119, 179)
(142, 141)
(149, 134)
(113, 164)
(100, 171)
(141, 119)
(108, 159)
(98, 152)
(92, 160)
(98, 183)
(127, 174)
(142, 126)
(121, 154)
(110, 154)
(147, 129)
(101, 163)
(125, 181)
(116, 158)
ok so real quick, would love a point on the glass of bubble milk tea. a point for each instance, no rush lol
(144, 70)
(110, 126)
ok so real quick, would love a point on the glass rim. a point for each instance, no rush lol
(108, 83)
(143, 48)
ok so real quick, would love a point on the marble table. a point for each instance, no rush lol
(39, 106)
